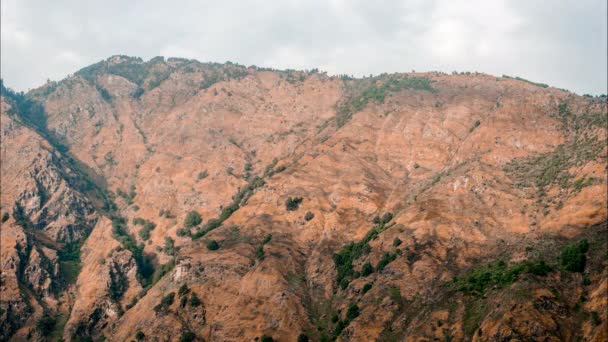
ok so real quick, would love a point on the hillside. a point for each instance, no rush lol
(175, 200)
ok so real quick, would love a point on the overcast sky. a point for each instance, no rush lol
(559, 42)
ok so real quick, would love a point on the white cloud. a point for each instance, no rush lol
(563, 44)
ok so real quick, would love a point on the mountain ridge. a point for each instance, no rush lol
(446, 155)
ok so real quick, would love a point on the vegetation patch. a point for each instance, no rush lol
(292, 204)
(573, 257)
(542, 85)
(497, 274)
(546, 169)
(348, 254)
(361, 92)
(238, 200)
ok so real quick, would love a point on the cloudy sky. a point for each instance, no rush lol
(559, 42)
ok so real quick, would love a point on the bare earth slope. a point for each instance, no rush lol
(401, 207)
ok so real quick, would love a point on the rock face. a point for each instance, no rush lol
(175, 200)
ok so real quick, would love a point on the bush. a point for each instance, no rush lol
(586, 280)
(387, 217)
(302, 338)
(5, 217)
(267, 239)
(309, 216)
(192, 219)
(46, 324)
(138, 221)
(386, 259)
(169, 248)
(187, 336)
(266, 338)
(377, 220)
(259, 252)
(573, 258)
(212, 245)
(183, 290)
(202, 175)
(352, 312)
(339, 327)
(397, 242)
(292, 204)
(194, 300)
(140, 335)
(366, 288)
(181, 232)
(162, 307)
(366, 269)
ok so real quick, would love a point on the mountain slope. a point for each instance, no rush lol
(434, 178)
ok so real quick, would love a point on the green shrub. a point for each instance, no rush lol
(352, 312)
(162, 307)
(386, 217)
(340, 326)
(187, 336)
(309, 216)
(138, 92)
(212, 245)
(397, 242)
(385, 260)
(266, 338)
(366, 269)
(5, 217)
(292, 204)
(259, 252)
(194, 300)
(366, 288)
(183, 290)
(302, 337)
(46, 324)
(239, 199)
(267, 239)
(138, 221)
(181, 232)
(586, 280)
(394, 293)
(202, 175)
(169, 248)
(478, 279)
(139, 335)
(573, 258)
(192, 219)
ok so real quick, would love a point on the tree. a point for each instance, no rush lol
(187, 336)
(352, 312)
(212, 245)
(169, 248)
(387, 217)
(573, 257)
(309, 216)
(293, 203)
(192, 219)
(366, 269)
(140, 335)
(194, 300)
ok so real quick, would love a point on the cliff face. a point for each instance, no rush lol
(400, 207)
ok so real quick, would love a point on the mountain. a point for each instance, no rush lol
(173, 200)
